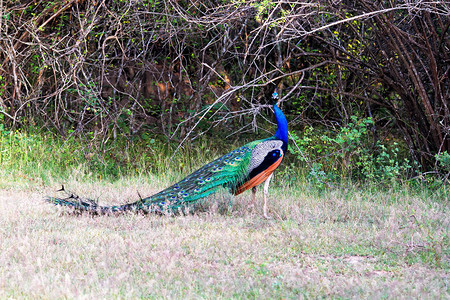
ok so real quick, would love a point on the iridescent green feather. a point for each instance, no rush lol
(226, 171)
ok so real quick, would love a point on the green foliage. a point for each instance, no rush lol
(2, 85)
(443, 160)
(387, 165)
(347, 153)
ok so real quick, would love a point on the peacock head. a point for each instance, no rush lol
(275, 97)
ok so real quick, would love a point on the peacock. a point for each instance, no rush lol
(239, 170)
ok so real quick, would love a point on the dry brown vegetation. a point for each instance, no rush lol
(340, 244)
(180, 68)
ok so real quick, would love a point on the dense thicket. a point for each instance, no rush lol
(177, 68)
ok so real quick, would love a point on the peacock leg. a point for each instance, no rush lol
(252, 203)
(266, 191)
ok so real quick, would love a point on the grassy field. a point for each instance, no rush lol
(339, 243)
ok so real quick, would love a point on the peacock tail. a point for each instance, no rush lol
(237, 171)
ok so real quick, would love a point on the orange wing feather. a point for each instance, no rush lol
(258, 178)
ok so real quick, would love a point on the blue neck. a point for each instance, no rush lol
(282, 130)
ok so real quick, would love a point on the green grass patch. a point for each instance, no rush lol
(31, 157)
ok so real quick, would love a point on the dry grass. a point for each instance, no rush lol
(340, 244)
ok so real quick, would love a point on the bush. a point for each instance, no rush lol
(349, 153)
